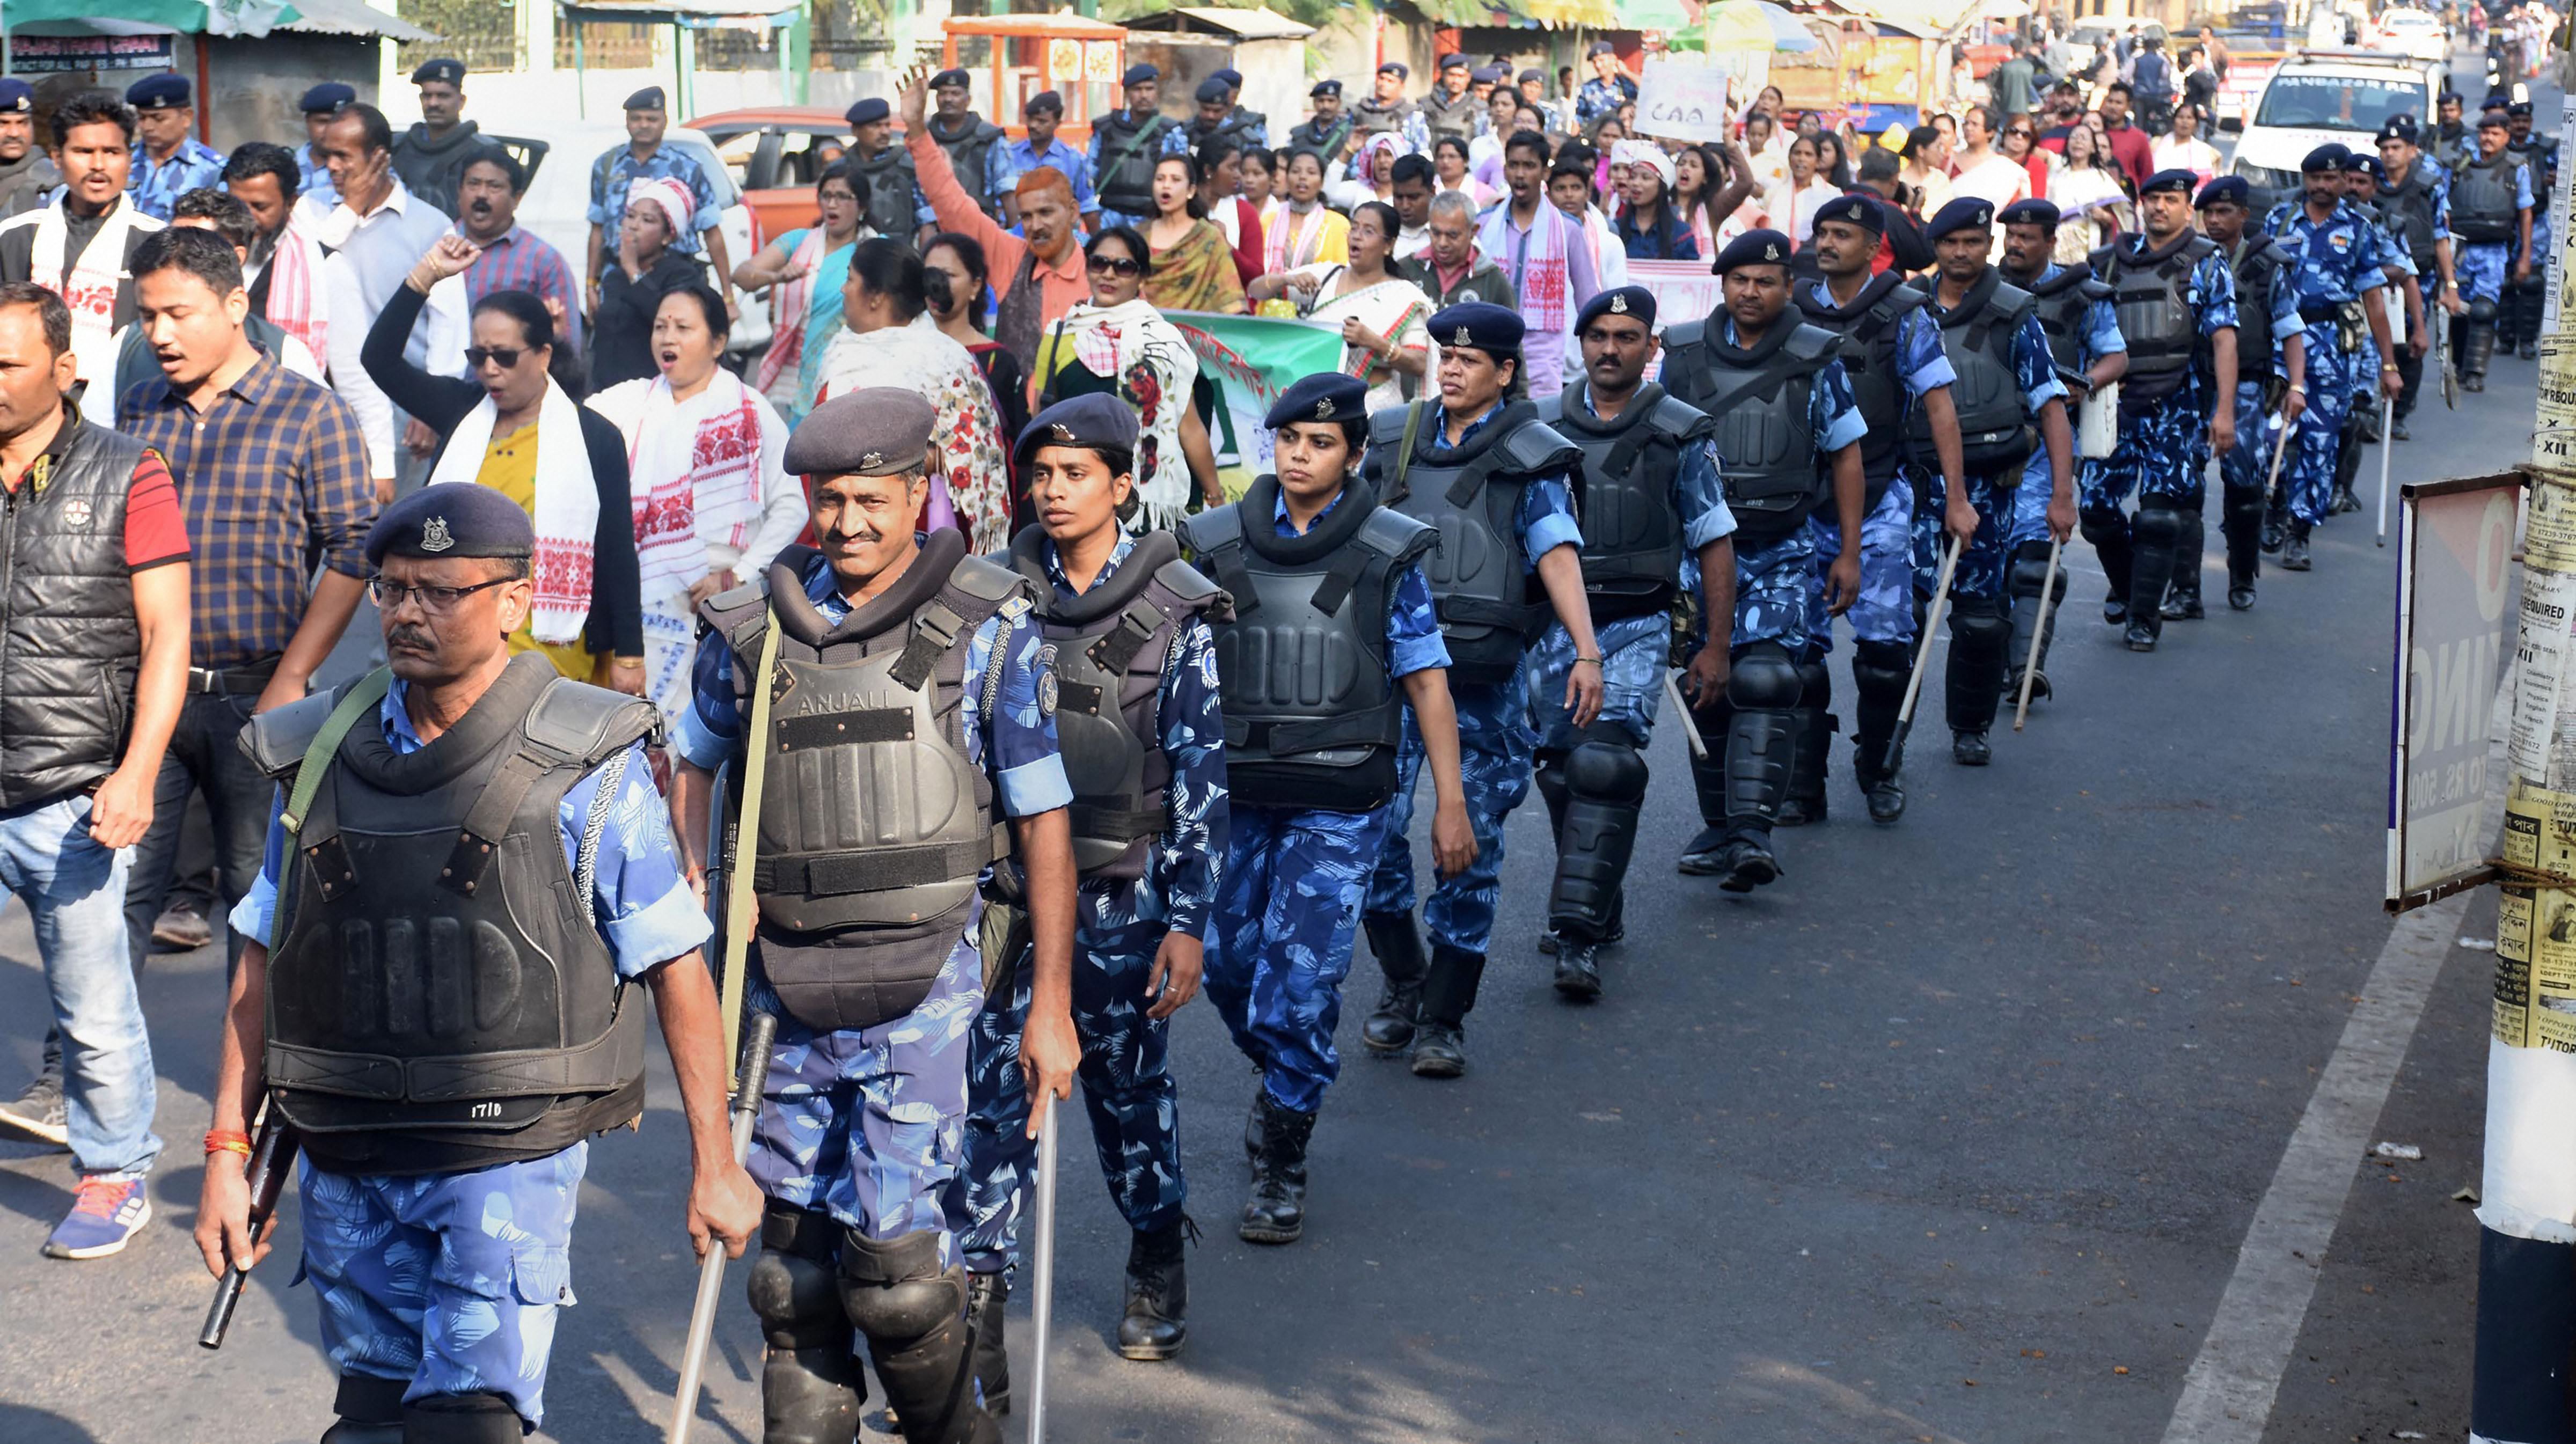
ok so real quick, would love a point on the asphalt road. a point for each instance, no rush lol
(1952, 1135)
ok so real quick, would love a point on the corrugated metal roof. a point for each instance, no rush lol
(1257, 23)
(351, 17)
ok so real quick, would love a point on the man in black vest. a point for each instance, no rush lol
(975, 146)
(2415, 206)
(2492, 201)
(1327, 130)
(2007, 386)
(1485, 471)
(2524, 295)
(1650, 495)
(444, 1101)
(2271, 359)
(882, 654)
(1449, 109)
(1894, 361)
(2451, 141)
(2176, 302)
(895, 205)
(1387, 109)
(1126, 144)
(430, 156)
(1788, 439)
(1250, 128)
(93, 662)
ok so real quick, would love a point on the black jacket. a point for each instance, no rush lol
(621, 329)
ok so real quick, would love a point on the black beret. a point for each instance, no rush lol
(2232, 190)
(451, 71)
(2361, 163)
(2518, 109)
(1601, 47)
(1396, 68)
(1856, 210)
(1487, 75)
(2326, 157)
(1452, 62)
(2173, 179)
(1211, 89)
(2031, 212)
(452, 519)
(868, 112)
(158, 92)
(2495, 118)
(1753, 248)
(2447, 97)
(1635, 301)
(946, 78)
(329, 98)
(1046, 100)
(1140, 75)
(1231, 77)
(649, 98)
(876, 431)
(1533, 73)
(1326, 87)
(2400, 126)
(1479, 326)
(1964, 213)
(1095, 419)
(16, 96)
(1324, 396)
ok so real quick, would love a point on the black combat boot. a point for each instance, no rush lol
(1398, 946)
(2294, 557)
(1276, 1212)
(1440, 1042)
(986, 1294)
(2182, 600)
(370, 1410)
(1157, 1322)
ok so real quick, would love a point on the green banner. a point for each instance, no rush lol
(1250, 360)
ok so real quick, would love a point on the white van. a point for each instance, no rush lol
(2318, 96)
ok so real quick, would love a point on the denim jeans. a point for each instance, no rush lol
(205, 756)
(74, 890)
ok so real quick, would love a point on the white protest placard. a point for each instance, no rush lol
(1683, 100)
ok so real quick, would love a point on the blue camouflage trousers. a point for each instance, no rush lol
(2248, 463)
(448, 1280)
(1885, 611)
(2030, 499)
(2480, 267)
(1495, 752)
(1635, 651)
(1774, 584)
(1287, 913)
(2308, 475)
(1126, 1088)
(1983, 561)
(868, 1124)
(2163, 451)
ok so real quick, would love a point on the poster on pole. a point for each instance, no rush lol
(2455, 581)
(1683, 100)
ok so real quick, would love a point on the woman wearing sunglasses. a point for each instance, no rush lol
(515, 428)
(1119, 343)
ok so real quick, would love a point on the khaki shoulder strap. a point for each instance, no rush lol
(741, 906)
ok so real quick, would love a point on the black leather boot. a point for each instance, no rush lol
(1440, 1042)
(1157, 1321)
(1276, 1212)
(2294, 557)
(1398, 946)
(986, 1294)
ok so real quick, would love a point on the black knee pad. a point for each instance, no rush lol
(1606, 772)
(2030, 574)
(1815, 684)
(1881, 669)
(462, 1419)
(796, 1296)
(1979, 626)
(2482, 310)
(1763, 678)
(2102, 525)
(894, 1290)
(2158, 524)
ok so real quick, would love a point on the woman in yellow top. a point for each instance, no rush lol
(515, 429)
(1305, 230)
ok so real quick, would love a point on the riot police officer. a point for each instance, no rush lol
(1652, 501)
(2491, 205)
(1788, 440)
(2525, 296)
(1894, 360)
(1479, 466)
(2176, 303)
(2084, 344)
(2406, 299)
(1125, 146)
(844, 685)
(2271, 357)
(2414, 198)
(2338, 260)
(2007, 387)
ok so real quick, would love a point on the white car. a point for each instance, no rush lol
(2412, 32)
(2318, 96)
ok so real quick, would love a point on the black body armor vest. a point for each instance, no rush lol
(1311, 715)
(439, 997)
(1490, 605)
(1977, 335)
(2152, 296)
(874, 823)
(1766, 448)
(890, 186)
(1112, 647)
(1632, 526)
(2483, 208)
(1868, 327)
(1443, 116)
(2260, 265)
(70, 646)
(968, 151)
(2060, 303)
(1129, 147)
(2407, 211)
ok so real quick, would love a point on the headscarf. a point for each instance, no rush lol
(667, 193)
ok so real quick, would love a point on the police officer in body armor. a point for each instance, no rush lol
(1449, 110)
(1327, 130)
(2405, 300)
(1125, 144)
(2176, 303)
(2525, 295)
(2007, 386)
(2415, 208)
(2336, 259)
(539, 1043)
(2451, 140)
(1386, 108)
(2271, 360)
(1895, 363)
(2491, 204)
(1144, 749)
(1481, 468)
(2084, 344)
(843, 674)
(1219, 118)
(1318, 570)
(892, 204)
(1788, 440)
(1249, 128)
(1651, 496)
(974, 145)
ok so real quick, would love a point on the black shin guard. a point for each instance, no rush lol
(1761, 739)
(2190, 534)
(1708, 774)
(2242, 524)
(811, 1387)
(1449, 992)
(1816, 724)
(1979, 635)
(1880, 671)
(913, 1313)
(2151, 566)
(2108, 531)
(1605, 779)
(2026, 581)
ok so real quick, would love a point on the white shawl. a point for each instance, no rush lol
(567, 506)
(89, 285)
(1154, 368)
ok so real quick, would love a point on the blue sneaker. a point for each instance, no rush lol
(104, 1218)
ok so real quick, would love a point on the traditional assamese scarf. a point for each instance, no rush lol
(1153, 368)
(566, 513)
(694, 469)
(296, 300)
(88, 285)
(670, 195)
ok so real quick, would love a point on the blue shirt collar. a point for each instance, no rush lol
(1279, 512)
(1064, 584)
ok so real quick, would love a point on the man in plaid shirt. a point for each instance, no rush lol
(487, 213)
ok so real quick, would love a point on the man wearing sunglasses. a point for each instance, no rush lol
(442, 1049)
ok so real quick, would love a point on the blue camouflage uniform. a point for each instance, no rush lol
(2334, 261)
(2164, 445)
(1885, 611)
(1176, 141)
(2101, 337)
(2481, 267)
(617, 169)
(1985, 559)
(451, 1281)
(1496, 746)
(1118, 929)
(314, 178)
(868, 1124)
(1288, 899)
(1071, 163)
(1600, 97)
(2247, 464)
(157, 185)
